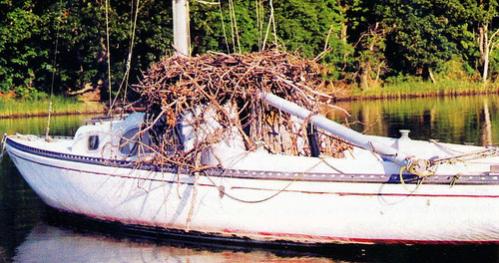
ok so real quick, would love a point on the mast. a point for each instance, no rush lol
(181, 33)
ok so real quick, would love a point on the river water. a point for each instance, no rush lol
(26, 235)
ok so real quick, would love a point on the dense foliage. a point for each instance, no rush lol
(363, 42)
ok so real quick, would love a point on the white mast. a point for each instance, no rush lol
(181, 33)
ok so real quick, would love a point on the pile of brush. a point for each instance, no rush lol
(229, 86)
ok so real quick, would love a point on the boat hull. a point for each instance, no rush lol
(263, 210)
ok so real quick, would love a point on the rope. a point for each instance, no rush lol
(54, 64)
(424, 168)
(491, 152)
(446, 149)
(402, 181)
(222, 190)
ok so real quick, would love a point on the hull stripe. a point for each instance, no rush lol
(268, 189)
(480, 179)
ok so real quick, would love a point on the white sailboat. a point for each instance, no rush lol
(257, 196)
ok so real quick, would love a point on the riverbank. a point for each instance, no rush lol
(19, 108)
(13, 108)
(421, 89)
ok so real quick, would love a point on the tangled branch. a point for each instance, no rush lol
(194, 103)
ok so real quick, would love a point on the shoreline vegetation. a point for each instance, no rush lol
(421, 89)
(23, 108)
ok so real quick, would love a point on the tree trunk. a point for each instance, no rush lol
(364, 76)
(485, 67)
(487, 126)
(378, 71)
(343, 32)
(99, 82)
(484, 48)
(430, 74)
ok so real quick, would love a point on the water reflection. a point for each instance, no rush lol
(59, 125)
(53, 244)
(50, 243)
(471, 119)
(20, 209)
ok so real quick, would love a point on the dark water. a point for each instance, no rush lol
(27, 236)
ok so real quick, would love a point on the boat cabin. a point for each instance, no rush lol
(112, 138)
(119, 139)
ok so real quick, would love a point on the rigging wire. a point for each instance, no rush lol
(108, 56)
(133, 28)
(207, 2)
(271, 22)
(274, 27)
(54, 65)
(260, 13)
(234, 27)
(233, 38)
(222, 18)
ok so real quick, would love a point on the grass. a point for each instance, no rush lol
(413, 89)
(404, 89)
(60, 106)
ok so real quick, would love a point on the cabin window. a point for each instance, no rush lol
(130, 142)
(93, 142)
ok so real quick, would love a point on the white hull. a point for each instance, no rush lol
(303, 211)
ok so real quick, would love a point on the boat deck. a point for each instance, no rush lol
(279, 167)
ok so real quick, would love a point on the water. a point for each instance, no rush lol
(27, 236)
(456, 120)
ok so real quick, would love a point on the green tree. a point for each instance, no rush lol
(420, 35)
(478, 35)
(22, 62)
(83, 51)
(313, 27)
(308, 27)
(367, 32)
(362, 41)
(29, 30)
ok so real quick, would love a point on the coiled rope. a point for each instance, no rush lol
(422, 168)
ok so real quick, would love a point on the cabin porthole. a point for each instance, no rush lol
(93, 142)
